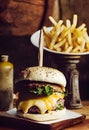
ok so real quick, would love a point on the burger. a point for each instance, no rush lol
(41, 94)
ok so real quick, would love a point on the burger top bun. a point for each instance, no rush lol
(45, 74)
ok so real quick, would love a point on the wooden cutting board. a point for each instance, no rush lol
(12, 121)
(81, 126)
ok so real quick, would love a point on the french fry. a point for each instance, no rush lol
(75, 19)
(59, 44)
(76, 49)
(52, 20)
(66, 46)
(47, 41)
(59, 24)
(86, 37)
(68, 50)
(50, 35)
(82, 46)
(66, 32)
(67, 38)
(68, 24)
(55, 37)
(81, 27)
(58, 49)
(87, 46)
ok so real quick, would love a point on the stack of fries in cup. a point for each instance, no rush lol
(67, 38)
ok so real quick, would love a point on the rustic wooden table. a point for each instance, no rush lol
(82, 126)
(84, 110)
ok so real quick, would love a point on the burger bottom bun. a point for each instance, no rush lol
(52, 115)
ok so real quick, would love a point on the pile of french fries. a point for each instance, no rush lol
(67, 38)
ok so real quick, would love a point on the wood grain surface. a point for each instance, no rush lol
(84, 110)
(82, 126)
(24, 17)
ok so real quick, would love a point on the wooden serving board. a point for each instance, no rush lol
(9, 119)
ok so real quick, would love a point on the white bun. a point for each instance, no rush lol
(45, 74)
(52, 115)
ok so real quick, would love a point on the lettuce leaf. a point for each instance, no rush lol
(44, 90)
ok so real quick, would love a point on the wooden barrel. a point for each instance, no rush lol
(24, 17)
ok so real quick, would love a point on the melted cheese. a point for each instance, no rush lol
(43, 103)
